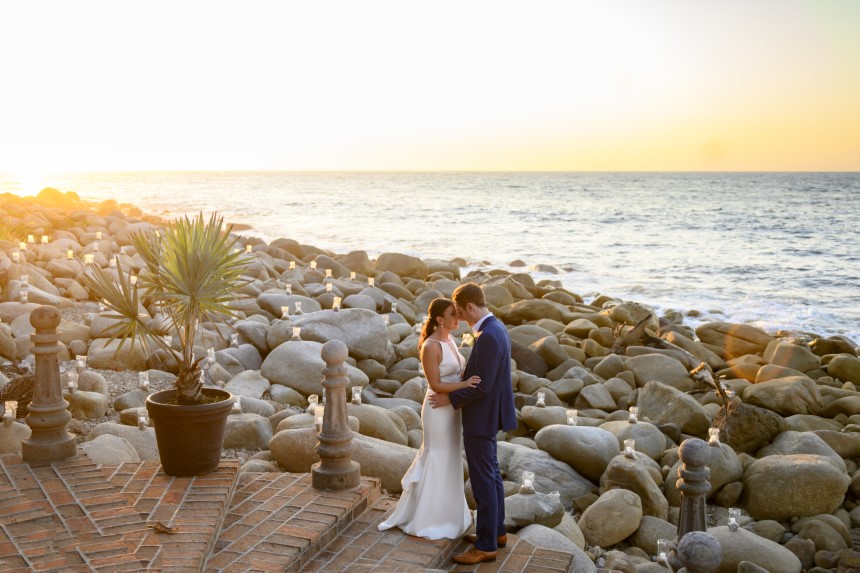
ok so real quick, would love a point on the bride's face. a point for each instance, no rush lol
(450, 319)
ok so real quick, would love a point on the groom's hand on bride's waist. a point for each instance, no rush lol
(439, 400)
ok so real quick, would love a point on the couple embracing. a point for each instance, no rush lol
(466, 404)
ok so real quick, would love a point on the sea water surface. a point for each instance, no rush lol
(777, 250)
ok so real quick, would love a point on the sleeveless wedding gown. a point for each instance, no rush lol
(433, 503)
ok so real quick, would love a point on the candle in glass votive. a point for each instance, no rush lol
(285, 312)
(572, 417)
(630, 448)
(44, 239)
(356, 394)
(386, 319)
(313, 400)
(297, 333)
(73, 381)
(98, 235)
(80, 361)
(329, 287)
(249, 248)
(210, 355)
(234, 339)
(555, 496)
(541, 399)
(734, 517)
(633, 415)
(31, 239)
(313, 265)
(371, 281)
(89, 259)
(70, 254)
(11, 408)
(528, 481)
(143, 380)
(112, 263)
(299, 307)
(22, 245)
(25, 279)
(16, 257)
(328, 273)
(142, 420)
(319, 414)
(352, 275)
(292, 265)
(393, 307)
(288, 288)
(336, 303)
(133, 280)
(714, 436)
(236, 250)
(237, 405)
(663, 551)
(25, 295)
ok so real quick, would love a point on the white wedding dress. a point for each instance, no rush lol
(433, 503)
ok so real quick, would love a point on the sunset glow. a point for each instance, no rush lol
(626, 85)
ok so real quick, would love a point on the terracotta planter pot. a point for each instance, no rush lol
(189, 438)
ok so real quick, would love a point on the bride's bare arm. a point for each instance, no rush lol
(431, 357)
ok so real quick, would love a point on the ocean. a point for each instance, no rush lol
(777, 250)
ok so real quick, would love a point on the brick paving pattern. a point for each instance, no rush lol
(73, 516)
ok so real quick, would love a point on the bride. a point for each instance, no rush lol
(433, 504)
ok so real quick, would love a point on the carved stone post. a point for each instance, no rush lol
(694, 485)
(49, 414)
(336, 470)
(699, 552)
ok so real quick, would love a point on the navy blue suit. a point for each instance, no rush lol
(487, 408)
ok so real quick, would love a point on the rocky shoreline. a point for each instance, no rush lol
(786, 405)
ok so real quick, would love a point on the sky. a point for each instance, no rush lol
(658, 85)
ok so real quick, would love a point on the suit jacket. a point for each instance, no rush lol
(489, 406)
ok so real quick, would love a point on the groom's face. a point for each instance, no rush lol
(465, 313)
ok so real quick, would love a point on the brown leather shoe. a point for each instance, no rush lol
(474, 556)
(501, 540)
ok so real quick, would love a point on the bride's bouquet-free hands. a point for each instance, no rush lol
(470, 383)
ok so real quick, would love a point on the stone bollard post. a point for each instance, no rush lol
(49, 414)
(694, 485)
(336, 470)
(699, 552)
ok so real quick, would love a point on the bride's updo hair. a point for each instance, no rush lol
(437, 309)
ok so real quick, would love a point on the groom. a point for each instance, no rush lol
(487, 408)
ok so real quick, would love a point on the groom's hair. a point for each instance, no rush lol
(469, 292)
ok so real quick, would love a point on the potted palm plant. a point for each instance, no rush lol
(191, 274)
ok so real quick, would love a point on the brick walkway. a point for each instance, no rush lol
(74, 516)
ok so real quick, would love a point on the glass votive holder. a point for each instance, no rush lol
(734, 518)
(22, 246)
(89, 259)
(371, 281)
(44, 239)
(98, 235)
(336, 303)
(328, 273)
(352, 275)
(70, 254)
(528, 482)
(285, 312)
(11, 408)
(714, 436)
(572, 417)
(288, 288)
(16, 257)
(25, 296)
(313, 400)
(664, 546)
(313, 265)
(633, 414)
(237, 405)
(234, 340)
(210, 355)
(299, 307)
(31, 239)
(292, 265)
(249, 248)
(72, 384)
(329, 287)
(541, 399)
(25, 279)
(80, 361)
(386, 319)
(356, 394)
(297, 333)
(319, 414)
(630, 448)
(143, 380)
(393, 307)
(142, 420)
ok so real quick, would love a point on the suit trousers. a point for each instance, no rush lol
(488, 489)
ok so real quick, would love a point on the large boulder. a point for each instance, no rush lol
(785, 396)
(248, 383)
(108, 450)
(550, 473)
(794, 356)
(106, 354)
(524, 509)
(801, 443)
(630, 474)
(663, 404)
(143, 441)
(363, 331)
(649, 439)
(379, 423)
(735, 339)
(401, 265)
(780, 487)
(531, 310)
(845, 367)
(661, 368)
(587, 450)
(298, 365)
(748, 428)
(742, 545)
(612, 518)
(248, 432)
